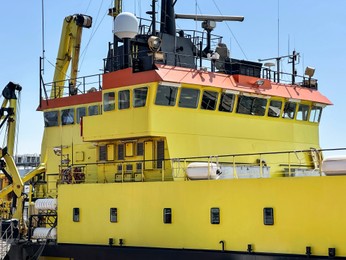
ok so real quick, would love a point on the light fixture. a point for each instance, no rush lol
(154, 43)
(213, 56)
(309, 71)
(259, 82)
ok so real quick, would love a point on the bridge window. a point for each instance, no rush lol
(51, 118)
(67, 116)
(124, 99)
(303, 111)
(189, 98)
(315, 115)
(209, 100)
(80, 112)
(251, 105)
(109, 101)
(227, 102)
(274, 108)
(166, 95)
(289, 110)
(93, 110)
(140, 96)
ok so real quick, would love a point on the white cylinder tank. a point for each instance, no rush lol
(44, 233)
(46, 204)
(203, 171)
(125, 25)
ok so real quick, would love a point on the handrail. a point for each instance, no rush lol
(6, 239)
(93, 81)
(259, 164)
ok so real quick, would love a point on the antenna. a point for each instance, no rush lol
(214, 18)
(278, 28)
(43, 47)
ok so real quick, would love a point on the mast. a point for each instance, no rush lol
(167, 17)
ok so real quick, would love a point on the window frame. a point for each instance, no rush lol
(207, 106)
(306, 118)
(234, 96)
(65, 118)
(285, 108)
(124, 102)
(108, 102)
(170, 102)
(91, 112)
(144, 101)
(78, 116)
(185, 98)
(57, 116)
(251, 109)
(280, 111)
(313, 114)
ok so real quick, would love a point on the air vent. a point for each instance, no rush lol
(138, 167)
(129, 168)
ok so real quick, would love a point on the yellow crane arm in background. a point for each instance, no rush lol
(69, 49)
(27, 177)
(8, 112)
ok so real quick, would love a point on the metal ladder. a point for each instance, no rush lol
(6, 239)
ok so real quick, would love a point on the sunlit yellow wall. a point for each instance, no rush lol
(307, 212)
(194, 132)
(68, 137)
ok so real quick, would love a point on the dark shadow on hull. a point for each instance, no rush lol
(27, 251)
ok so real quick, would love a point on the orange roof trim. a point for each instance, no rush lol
(239, 83)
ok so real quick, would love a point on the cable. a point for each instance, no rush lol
(41, 248)
(241, 49)
(87, 9)
(43, 32)
(93, 32)
(17, 120)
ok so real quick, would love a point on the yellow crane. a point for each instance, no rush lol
(68, 53)
(7, 165)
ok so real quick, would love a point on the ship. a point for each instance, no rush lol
(176, 151)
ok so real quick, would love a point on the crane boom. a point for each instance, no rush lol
(68, 53)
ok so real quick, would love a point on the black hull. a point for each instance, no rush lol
(91, 252)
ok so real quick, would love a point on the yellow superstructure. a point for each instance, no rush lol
(159, 155)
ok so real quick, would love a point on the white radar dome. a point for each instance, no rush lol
(125, 25)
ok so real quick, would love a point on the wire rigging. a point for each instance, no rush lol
(93, 32)
(17, 120)
(87, 9)
(43, 32)
(235, 38)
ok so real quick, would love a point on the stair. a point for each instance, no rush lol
(8, 230)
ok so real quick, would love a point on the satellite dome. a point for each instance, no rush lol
(125, 25)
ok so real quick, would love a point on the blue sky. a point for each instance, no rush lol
(315, 28)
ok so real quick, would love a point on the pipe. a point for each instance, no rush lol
(167, 17)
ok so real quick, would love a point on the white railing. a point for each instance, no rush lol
(6, 239)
